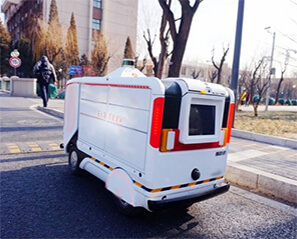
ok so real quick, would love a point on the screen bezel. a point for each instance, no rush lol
(197, 99)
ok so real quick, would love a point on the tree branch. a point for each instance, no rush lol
(169, 16)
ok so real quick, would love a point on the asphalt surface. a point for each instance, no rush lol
(21, 122)
(40, 198)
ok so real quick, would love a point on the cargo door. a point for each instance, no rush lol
(192, 120)
(93, 115)
(127, 124)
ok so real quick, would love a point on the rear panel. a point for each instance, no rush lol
(194, 134)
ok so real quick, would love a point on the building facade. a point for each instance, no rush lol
(117, 19)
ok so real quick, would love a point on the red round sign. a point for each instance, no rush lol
(15, 62)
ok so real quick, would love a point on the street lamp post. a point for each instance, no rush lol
(270, 70)
(237, 48)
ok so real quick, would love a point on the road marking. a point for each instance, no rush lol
(24, 147)
(13, 148)
(53, 145)
(34, 147)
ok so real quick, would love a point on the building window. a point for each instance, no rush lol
(96, 24)
(97, 3)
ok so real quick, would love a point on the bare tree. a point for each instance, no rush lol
(244, 83)
(164, 42)
(144, 61)
(219, 66)
(283, 70)
(259, 82)
(179, 36)
(212, 74)
(196, 73)
(150, 42)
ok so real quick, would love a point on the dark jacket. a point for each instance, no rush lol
(44, 71)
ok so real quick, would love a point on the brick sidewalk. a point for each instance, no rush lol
(277, 160)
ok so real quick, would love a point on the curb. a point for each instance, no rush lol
(52, 112)
(263, 182)
(289, 143)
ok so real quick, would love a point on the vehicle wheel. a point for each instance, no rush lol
(74, 159)
(126, 208)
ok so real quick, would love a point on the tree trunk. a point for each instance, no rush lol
(255, 105)
(177, 57)
(179, 47)
(219, 76)
(160, 67)
(179, 37)
(278, 89)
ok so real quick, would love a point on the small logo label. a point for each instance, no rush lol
(220, 153)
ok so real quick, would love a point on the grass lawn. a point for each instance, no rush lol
(281, 124)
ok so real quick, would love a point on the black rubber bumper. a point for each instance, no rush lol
(172, 203)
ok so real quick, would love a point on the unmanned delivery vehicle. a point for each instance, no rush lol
(155, 143)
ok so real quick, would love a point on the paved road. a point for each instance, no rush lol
(40, 198)
(22, 126)
(21, 123)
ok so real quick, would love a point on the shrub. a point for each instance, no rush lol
(256, 98)
(271, 101)
(281, 101)
(288, 102)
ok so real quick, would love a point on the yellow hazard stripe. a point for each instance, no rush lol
(161, 189)
(101, 163)
(177, 186)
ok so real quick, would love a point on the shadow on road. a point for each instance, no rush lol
(40, 198)
(47, 201)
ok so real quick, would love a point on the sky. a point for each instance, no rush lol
(214, 27)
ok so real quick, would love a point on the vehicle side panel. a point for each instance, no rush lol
(71, 109)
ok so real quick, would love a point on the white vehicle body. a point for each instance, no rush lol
(154, 143)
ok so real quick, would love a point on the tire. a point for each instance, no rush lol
(127, 209)
(74, 159)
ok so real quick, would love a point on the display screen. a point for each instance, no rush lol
(202, 120)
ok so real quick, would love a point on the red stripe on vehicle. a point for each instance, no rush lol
(111, 85)
(117, 85)
(178, 146)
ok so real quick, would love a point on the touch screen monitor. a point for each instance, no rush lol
(201, 119)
